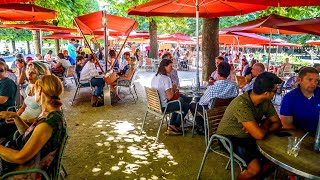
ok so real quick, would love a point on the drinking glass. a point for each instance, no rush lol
(293, 148)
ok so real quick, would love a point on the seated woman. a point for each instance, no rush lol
(43, 137)
(168, 92)
(124, 80)
(61, 66)
(113, 61)
(30, 110)
(22, 79)
(90, 72)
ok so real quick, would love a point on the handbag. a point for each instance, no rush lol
(110, 77)
(175, 96)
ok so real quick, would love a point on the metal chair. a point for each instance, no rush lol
(155, 108)
(79, 85)
(53, 172)
(215, 147)
(129, 85)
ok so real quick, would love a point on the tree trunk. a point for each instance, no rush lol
(13, 45)
(210, 46)
(36, 40)
(28, 47)
(153, 51)
(57, 46)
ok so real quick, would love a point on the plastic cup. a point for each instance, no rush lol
(293, 148)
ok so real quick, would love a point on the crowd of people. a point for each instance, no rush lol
(251, 115)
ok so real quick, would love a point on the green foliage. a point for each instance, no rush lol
(18, 35)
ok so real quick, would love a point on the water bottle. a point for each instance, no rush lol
(317, 138)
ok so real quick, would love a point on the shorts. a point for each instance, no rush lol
(245, 148)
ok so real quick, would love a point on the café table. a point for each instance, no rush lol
(306, 164)
(192, 95)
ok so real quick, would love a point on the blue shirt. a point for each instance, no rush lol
(72, 51)
(222, 89)
(305, 112)
(72, 61)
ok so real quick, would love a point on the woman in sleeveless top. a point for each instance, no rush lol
(40, 141)
(113, 60)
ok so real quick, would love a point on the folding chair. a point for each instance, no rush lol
(155, 108)
(80, 85)
(130, 85)
(53, 172)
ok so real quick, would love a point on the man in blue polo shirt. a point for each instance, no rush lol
(300, 107)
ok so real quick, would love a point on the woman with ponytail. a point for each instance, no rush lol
(42, 139)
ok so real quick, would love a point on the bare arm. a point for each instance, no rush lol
(22, 77)
(3, 99)
(38, 139)
(57, 65)
(129, 75)
(21, 110)
(287, 122)
(256, 131)
(169, 93)
(272, 124)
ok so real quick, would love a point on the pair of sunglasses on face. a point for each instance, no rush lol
(1, 70)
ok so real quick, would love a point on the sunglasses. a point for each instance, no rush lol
(1, 70)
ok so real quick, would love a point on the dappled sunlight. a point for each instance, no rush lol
(130, 152)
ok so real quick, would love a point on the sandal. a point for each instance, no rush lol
(173, 128)
(172, 133)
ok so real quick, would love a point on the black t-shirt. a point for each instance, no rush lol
(9, 89)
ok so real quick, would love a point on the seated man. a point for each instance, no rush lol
(222, 88)
(257, 69)
(8, 89)
(300, 107)
(242, 123)
(79, 65)
(214, 75)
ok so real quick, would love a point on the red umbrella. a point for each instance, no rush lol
(92, 24)
(315, 42)
(308, 25)
(61, 36)
(263, 25)
(241, 38)
(175, 37)
(139, 34)
(187, 8)
(281, 3)
(39, 25)
(14, 1)
(25, 12)
(284, 44)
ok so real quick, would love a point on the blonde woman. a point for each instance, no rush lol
(30, 110)
(44, 136)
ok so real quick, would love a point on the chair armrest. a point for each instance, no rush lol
(28, 171)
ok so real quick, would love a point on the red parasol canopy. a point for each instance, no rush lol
(91, 24)
(39, 25)
(139, 34)
(61, 36)
(241, 38)
(281, 3)
(284, 44)
(25, 12)
(264, 25)
(187, 8)
(14, 1)
(307, 25)
(315, 42)
(175, 37)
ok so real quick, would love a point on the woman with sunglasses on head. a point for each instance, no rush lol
(168, 91)
(41, 140)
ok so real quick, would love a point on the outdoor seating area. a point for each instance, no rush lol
(175, 89)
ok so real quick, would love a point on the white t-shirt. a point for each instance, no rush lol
(88, 71)
(161, 83)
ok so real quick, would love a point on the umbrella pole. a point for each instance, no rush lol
(269, 56)
(40, 32)
(197, 35)
(105, 22)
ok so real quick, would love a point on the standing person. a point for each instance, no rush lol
(286, 67)
(138, 57)
(22, 78)
(43, 137)
(243, 124)
(72, 49)
(113, 60)
(69, 58)
(90, 72)
(167, 92)
(300, 107)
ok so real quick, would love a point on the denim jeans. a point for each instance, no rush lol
(175, 117)
(99, 84)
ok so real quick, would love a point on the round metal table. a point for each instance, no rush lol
(306, 164)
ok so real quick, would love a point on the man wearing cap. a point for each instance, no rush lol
(72, 49)
(243, 123)
(300, 107)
